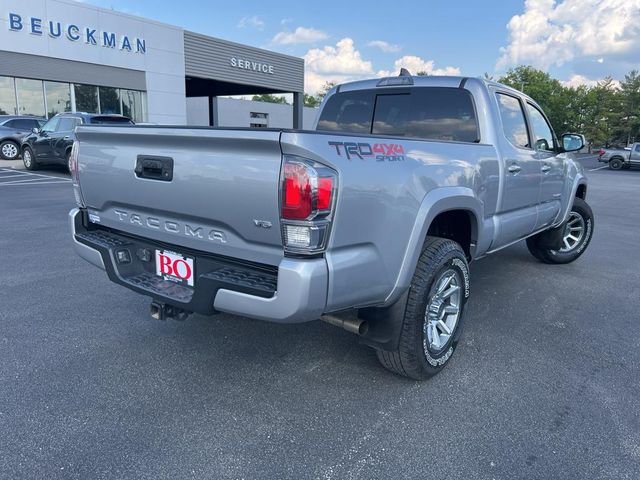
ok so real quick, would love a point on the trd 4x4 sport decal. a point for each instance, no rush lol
(383, 152)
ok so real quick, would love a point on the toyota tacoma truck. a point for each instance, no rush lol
(368, 222)
(619, 158)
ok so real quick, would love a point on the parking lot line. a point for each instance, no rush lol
(22, 172)
(599, 168)
(11, 174)
(10, 177)
(17, 184)
(23, 180)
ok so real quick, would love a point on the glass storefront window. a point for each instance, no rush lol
(86, 98)
(7, 96)
(109, 101)
(30, 97)
(132, 105)
(58, 98)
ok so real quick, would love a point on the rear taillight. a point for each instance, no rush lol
(601, 152)
(73, 169)
(308, 199)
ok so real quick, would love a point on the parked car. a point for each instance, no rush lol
(367, 223)
(52, 143)
(13, 128)
(619, 158)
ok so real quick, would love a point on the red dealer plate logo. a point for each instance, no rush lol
(174, 267)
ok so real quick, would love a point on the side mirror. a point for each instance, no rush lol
(541, 145)
(35, 130)
(572, 142)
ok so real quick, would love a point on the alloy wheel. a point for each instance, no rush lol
(573, 232)
(9, 151)
(443, 312)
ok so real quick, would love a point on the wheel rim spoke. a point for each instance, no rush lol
(443, 311)
(447, 293)
(574, 232)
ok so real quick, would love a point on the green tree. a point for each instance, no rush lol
(601, 113)
(312, 101)
(629, 125)
(548, 92)
(325, 89)
(269, 98)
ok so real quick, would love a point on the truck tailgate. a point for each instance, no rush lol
(222, 197)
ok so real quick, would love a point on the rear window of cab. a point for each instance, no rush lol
(429, 113)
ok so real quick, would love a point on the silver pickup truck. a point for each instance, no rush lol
(367, 222)
(619, 158)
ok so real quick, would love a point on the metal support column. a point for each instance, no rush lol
(213, 112)
(298, 104)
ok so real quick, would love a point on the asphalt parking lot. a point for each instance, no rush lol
(546, 383)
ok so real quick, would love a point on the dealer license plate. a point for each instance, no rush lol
(174, 267)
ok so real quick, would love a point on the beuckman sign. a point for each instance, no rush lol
(76, 33)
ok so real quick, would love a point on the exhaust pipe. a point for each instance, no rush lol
(163, 311)
(353, 325)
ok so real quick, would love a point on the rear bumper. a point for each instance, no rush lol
(294, 292)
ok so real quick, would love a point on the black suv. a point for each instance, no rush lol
(52, 143)
(13, 128)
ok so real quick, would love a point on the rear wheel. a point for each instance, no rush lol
(29, 159)
(615, 164)
(9, 150)
(433, 317)
(578, 230)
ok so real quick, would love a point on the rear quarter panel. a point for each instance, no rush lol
(385, 205)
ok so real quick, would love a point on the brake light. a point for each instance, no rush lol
(75, 176)
(325, 190)
(298, 197)
(601, 152)
(308, 190)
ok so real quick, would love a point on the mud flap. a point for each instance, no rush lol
(384, 324)
(551, 239)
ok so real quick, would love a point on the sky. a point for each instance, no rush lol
(576, 41)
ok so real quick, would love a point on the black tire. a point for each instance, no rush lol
(29, 159)
(414, 357)
(616, 164)
(583, 210)
(9, 150)
(68, 160)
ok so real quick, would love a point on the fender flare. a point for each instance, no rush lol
(433, 204)
(580, 179)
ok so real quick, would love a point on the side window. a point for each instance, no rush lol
(11, 124)
(439, 113)
(348, 112)
(637, 148)
(541, 129)
(67, 124)
(51, 125)
(513, 122)
(25, 124)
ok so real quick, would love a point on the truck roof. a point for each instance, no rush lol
(424, 81)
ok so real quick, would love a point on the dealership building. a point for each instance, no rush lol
(62, 55)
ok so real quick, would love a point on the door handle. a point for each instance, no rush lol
(514, 168)
(67, 137)
(546, 168)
